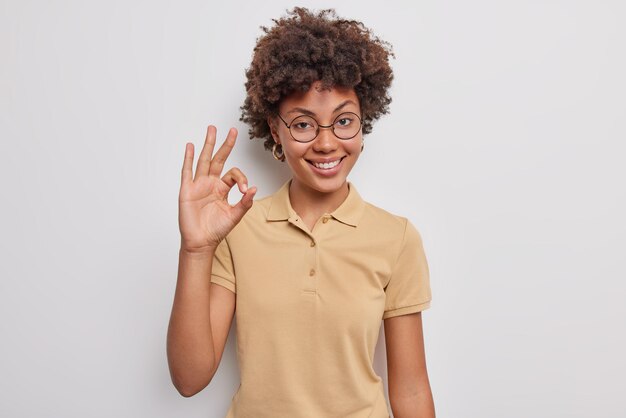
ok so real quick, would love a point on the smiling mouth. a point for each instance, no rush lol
(326, 166)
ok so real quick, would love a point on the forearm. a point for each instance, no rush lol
(190, 348)
(417, 405)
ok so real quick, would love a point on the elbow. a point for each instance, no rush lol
(420, 405)
(415, 403)
(186, 392)
(188, 386)
(189, 389)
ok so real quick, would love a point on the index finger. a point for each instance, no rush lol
(217, 163)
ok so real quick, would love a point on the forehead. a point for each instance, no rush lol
(320, 101)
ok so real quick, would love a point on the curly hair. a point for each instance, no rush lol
(305, 47)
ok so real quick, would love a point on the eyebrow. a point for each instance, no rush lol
(309, 113)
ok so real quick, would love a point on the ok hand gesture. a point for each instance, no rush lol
(204, 215)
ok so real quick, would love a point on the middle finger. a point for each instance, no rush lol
(204, 160)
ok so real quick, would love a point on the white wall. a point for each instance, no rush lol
(505, 147)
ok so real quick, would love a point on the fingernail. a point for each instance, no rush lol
(244, 187)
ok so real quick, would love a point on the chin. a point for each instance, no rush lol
(327, 185)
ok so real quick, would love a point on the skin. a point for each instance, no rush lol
(312, 195)
(410, 395)
(202, 312)
(205, 218)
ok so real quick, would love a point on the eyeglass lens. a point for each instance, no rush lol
(345, 126)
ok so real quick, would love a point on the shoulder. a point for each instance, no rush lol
(375, 216)
(390, 227)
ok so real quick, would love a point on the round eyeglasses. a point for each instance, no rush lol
(305, 128)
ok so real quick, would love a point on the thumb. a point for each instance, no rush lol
(244, 204)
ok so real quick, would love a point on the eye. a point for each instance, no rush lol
(343, 122)
(303, 123)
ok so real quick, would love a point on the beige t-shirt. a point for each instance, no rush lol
(309, 305)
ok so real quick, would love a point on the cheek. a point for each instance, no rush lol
(295, 149)
(355, 145)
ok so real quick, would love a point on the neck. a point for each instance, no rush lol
(308, 202)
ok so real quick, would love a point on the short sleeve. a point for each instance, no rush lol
(222, 270)
(408, 290)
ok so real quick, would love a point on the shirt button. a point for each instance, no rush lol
(325, 220)
(312, 243)
(312, 272)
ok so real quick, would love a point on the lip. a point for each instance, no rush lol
(326, 160)
(330, 172)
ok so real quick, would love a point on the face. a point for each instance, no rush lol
(304, 159)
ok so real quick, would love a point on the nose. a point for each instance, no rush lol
(326, 141)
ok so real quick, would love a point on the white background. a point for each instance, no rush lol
(504, 146)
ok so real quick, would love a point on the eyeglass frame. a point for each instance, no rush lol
(331, 126)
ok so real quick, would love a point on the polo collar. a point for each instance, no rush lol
(349, 212)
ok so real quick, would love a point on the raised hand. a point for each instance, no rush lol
(204, 215)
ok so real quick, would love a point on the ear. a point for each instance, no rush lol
(271, 122)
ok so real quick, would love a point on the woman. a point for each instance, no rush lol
(313, 268)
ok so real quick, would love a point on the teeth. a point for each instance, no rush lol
(326, 166)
